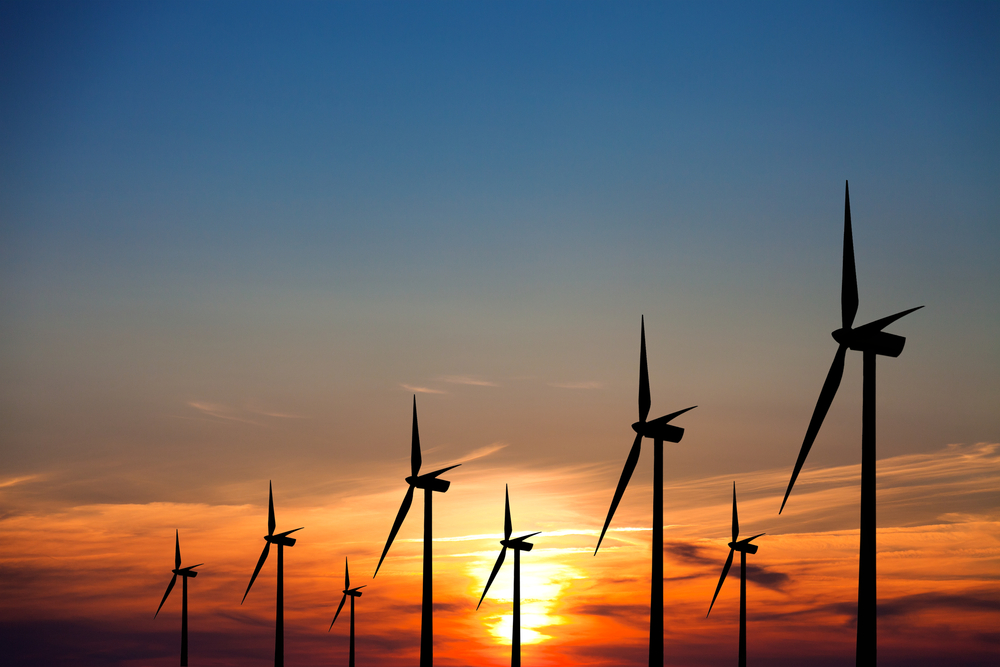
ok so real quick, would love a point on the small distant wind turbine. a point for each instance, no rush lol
(184, 573)
(744, 547)
(872, 341)
(429, 482)
(518, 545)
(348, 593)
(282, 540)
(659, 430)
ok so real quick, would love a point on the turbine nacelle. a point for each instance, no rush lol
(187, 571)
(430, 480)
(282, 538)
(519, 544)
(744, 545)
(353, 592)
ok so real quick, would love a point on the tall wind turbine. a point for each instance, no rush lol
(744, 547)
(659, 430)
(518, 545)
(348, 593)
(429, 482)
(184, 573)
(872, 341)
(282, 540)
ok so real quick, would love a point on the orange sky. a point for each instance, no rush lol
(97, 571)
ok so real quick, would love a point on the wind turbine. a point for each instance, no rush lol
(659, 430)
(518, 545)
(872, 341)
(348, 593)
(429, 482)
(184, 573)
(744, 547)
(282, 540)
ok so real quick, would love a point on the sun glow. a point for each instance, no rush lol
(542, 586)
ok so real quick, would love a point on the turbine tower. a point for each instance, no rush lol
(659, 430)
(348, 593)
(282, 540)
(184, 573)
(430, 483)
(744, 547)
(518, 545)
(872, 341)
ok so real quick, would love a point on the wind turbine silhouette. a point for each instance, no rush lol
(744, 547)
(184, 573)
(282, 540)
(872, 341)
(429, 482)
(659, 430)
(348, 593)
(518, 545)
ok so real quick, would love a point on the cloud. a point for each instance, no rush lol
(481, 452)
(219, 412)
(590, 384)
(465, 379)
(421, 390)
(687, 553)
(13, 481)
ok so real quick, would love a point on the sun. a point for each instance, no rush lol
(542, 585)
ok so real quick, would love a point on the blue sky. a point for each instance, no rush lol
(308, 207)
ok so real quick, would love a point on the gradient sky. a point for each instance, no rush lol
(236, 238)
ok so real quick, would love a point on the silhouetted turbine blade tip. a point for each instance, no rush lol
(256, 571)
(849, 282)
(415, 459)
(342, 601)
(630, 463)
(271, 523)
(736, 518)
(400, 516)
(493, 574)
(826, 396)
(177, 549)
(347, 575)
(170, 587)
(507, 525)
(725, 571)
(644, 398)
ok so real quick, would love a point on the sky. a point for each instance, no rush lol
(237, 239)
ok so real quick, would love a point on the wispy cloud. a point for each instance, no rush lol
(219, 411)
(17, 480)
(481, 452)
(467, 379)
(421, 390)
(589, 384)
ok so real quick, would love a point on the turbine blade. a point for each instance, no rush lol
(878, 325)
(736, 518)
(270, 510)
(415, 443)
(341, 606)
(507, 527)
(830, 386)
(644, 399)
(170, 587)
(633, 458)
(441, 471)
(725, 571)
(177, 549)
(493, 574)
(666, 419)
(403, 509)
(849, 282)
(256, 570)
(347, 575)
